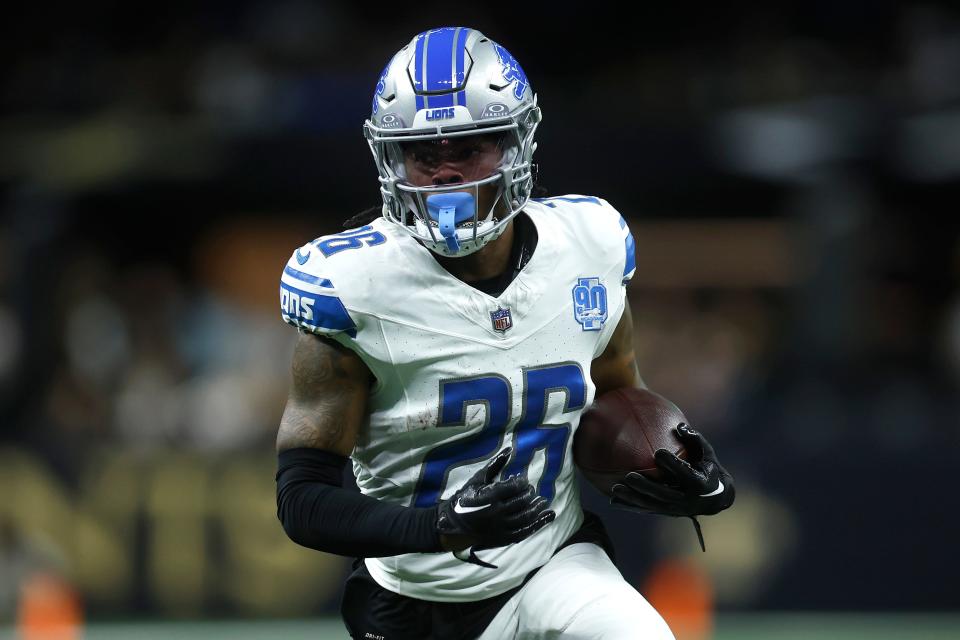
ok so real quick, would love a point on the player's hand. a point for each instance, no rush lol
(700, 487)
(484, 514)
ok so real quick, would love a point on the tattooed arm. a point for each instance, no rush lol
(328, 397)
(325, 411)
(616, 367)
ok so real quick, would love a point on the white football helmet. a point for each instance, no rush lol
(447, 83)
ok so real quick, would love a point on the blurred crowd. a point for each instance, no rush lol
(791, 177)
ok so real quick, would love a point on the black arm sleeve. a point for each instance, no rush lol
(317, 512)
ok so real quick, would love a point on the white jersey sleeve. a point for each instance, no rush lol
(329, 288)
(308, 298)
(604, 238)
(620, 243)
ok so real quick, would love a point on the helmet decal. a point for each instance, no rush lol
(380, 88)
(512, 71)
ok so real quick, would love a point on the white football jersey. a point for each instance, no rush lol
(461, 374)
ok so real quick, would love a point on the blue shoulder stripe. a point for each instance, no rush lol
(315, 311)
(306, 277)
(547, 202)
(631, 263)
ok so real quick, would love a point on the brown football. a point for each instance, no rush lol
(621, 432)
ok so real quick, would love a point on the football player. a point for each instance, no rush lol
(447, 350)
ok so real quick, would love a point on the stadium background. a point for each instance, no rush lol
(791, 175)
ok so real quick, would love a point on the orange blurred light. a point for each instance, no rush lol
(49, 609)
(682, 593)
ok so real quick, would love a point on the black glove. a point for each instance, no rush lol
(493, 514)
(698, 486)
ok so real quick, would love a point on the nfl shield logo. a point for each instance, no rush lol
(501, 319)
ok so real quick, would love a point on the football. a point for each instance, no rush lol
(621, 432)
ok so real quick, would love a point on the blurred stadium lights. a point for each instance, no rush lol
(791, 143)
(105, 151)
(928, 148)
(791, 178)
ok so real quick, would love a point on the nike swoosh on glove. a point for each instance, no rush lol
(698, 487)
(493, 514)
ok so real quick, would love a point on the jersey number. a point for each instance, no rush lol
(353, 239)
(531, 434)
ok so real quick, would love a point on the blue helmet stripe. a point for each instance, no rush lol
(418, 69)
(418, 62)
(461, 47)
(440, 60)
(443, 100)
(439, 66)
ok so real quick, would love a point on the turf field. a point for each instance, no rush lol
(728, 627)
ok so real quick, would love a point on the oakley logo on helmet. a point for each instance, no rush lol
(495, 110)
(391, 121)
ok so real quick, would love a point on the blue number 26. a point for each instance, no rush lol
(531, 434)
(353, 239)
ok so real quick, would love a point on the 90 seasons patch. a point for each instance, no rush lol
(590, 303)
